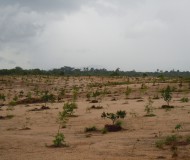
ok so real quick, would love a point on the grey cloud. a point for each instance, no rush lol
(4, 60)
(131, 33)
(18, 25)
(45, 5)
(21, 20)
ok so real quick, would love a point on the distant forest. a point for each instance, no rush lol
(70, 71)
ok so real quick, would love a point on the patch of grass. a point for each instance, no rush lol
(184, 99)
(188, 139)
(9, 116)
(13, 103)
(167, 107)
(119, 123)
(150, 115)
(90, 129)
(160, 144)
(171, 139)
(59, 140)
(104, 131)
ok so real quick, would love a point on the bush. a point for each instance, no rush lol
(2, 97)
(90, 129)
(167, 94)
(119, 123)
(160, 144)
(184, 99)
(188, 139)
(69, 108)
(170, 139)
(104, 130)
(59, 140)
(13, 103)
(114, 116)
(128, 92)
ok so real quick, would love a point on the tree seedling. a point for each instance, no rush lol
(149, 108)
(167, 95)
(114, 117)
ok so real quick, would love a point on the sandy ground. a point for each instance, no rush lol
(136, 141)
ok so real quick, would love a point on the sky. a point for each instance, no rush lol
(141, 35)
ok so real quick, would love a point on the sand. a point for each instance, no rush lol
(136, 141)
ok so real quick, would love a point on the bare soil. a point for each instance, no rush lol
(135, 141)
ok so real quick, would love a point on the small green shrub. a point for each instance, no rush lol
(184, 99)
(13, 103)
(188, 139)
(90, 129)
(69, 108)
(178, 127)
(160, 144)
(119, 123)
(114, 116)
(149, 108)
(171, 139)
(167, 94)
(47, 97)
(9, 116)
(104, 131)
(59, 140)
(2, 96)
(128, 92)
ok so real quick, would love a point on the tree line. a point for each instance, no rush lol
(71, 71)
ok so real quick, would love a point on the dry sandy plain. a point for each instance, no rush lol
(135, 142)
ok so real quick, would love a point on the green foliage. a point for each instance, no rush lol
(143, 86)
(15, 98)
(2, 96)
(59, 140)
(47, 97)
(69, 108)
(88, 95)
(90, 129)
(13, 103)
(29, 95)
(167, 94)
(96, 94)
(70, 71)
(9, 116)
(75, 93)
(149, 107)
(21, 93)
(178, 126)
(128, 91)
(104, 130)
(61, 94)
(121, 114)
(171, 139)
(114, 116)
(63, 117)
(119, 123)
(160, 144)
(184, 99)
(188, 139)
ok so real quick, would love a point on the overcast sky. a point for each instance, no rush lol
(143, 35)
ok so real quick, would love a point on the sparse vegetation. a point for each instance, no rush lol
(149, 108)
(90, 129)
(68, 99)
(69, 108)
(59, 140)
(184, 99)
(167, 95)
(114, 117)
